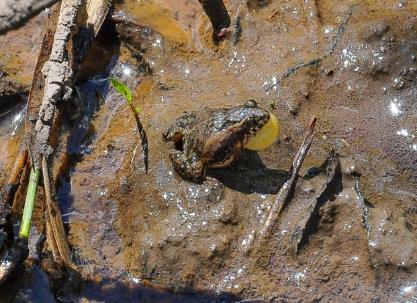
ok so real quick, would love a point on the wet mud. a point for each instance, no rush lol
(348, 234)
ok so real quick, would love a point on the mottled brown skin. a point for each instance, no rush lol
(212, 137)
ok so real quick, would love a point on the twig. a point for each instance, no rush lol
(362, 204)
(284, 193)
(341, 31)
(290, 71)
(286, 190)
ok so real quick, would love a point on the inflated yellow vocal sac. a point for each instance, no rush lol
(265, 136)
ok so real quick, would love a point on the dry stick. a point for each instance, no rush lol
(56, 72)
(55, 228)
(341, 31)
(237, 27)
(96, 12)
(60, 69)
(284, 193)
(59, 72)
(291, 70)
(286, 190)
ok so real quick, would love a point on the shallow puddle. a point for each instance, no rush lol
(351, 63)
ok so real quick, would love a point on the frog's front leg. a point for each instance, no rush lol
(189, 168)
(176, 130)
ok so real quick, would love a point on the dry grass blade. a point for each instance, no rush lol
(56, 238)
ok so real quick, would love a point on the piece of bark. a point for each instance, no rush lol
(58, 72)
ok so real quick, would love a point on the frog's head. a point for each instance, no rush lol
(254, 117)
(247, 118)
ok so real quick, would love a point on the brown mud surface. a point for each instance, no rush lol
(128, 228)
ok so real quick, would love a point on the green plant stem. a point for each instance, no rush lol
(29, 203)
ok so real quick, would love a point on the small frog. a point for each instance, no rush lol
(212, 137)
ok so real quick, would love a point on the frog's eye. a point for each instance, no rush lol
(251, 103)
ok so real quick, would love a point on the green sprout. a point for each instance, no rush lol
(125, 92)
(128, 96)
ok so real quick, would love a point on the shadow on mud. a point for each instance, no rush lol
(117, 291)
(35, 287)
(250, 175)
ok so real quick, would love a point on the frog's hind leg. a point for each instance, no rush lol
(189, 168)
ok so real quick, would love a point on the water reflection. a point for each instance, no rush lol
(395, 108)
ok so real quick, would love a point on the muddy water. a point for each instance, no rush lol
(157, 230)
